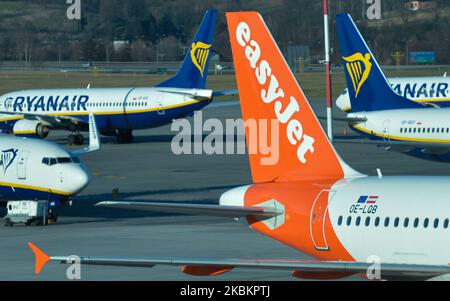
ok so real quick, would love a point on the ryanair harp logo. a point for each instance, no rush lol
(358, 67)
(199, 55)
(7, 158)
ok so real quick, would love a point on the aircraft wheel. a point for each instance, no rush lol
(79, 139)
(52, 217)
(71, 139)
(125, 137)
(8, 222)
(75, 139)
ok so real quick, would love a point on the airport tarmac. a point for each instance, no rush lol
(148, 170)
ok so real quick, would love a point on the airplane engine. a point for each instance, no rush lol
(30, 128)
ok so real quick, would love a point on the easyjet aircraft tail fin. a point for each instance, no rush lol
(285, 140)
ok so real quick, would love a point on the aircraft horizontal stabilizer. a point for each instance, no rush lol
(219, 93)
(195, 209)
(197, 94)
(348, 119)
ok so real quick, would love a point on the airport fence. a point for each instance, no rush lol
(159, 67)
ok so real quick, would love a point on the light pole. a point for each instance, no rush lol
(328, 71)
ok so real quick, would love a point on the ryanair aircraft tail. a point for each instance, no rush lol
(368, 88)
(194, 70)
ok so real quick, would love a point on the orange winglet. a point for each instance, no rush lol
(205, 270)
(41, 258)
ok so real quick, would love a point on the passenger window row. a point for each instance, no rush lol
(116, 104)
(397, 222)
(100, 104)
(424, 130)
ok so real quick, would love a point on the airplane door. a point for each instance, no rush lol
(160, 104)
(318, 218)
(386, 130)
(22, 165)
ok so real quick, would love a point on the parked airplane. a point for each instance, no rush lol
(32, 169)
(433, 91)
(310, 199)
(119, 111)
(382, 115)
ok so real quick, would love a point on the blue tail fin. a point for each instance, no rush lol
(194, 70)
(368, 88)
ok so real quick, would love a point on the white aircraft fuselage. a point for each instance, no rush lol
(114, 108)
(32, 169)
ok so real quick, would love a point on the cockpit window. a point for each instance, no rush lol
(49, 161)
(64, 160)
(60, 160)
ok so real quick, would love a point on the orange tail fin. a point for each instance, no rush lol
(269, 92)
(41, 258)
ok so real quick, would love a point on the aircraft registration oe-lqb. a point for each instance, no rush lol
(118, 111)
(377, 112)
(311, 199)
(32, 169)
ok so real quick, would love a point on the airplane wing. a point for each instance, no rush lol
(350, 120)
(214, 267)
(218, 93)
(94, 139)
(403, 146)
(63, 122)
(196, 209)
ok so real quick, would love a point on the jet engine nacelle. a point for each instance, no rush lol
(30, 128)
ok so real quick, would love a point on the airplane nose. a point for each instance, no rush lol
(80, 179)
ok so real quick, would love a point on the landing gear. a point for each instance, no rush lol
(8, 222)
(75, 139)
(124, 136)
(52, 216)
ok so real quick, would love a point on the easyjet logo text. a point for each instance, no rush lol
(272, 93)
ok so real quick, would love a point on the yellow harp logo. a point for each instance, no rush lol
(358, 67)
(199, 55)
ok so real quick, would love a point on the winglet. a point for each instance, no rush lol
(41, 258)
(94, 139)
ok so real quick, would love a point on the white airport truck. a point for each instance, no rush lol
(30, 213)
